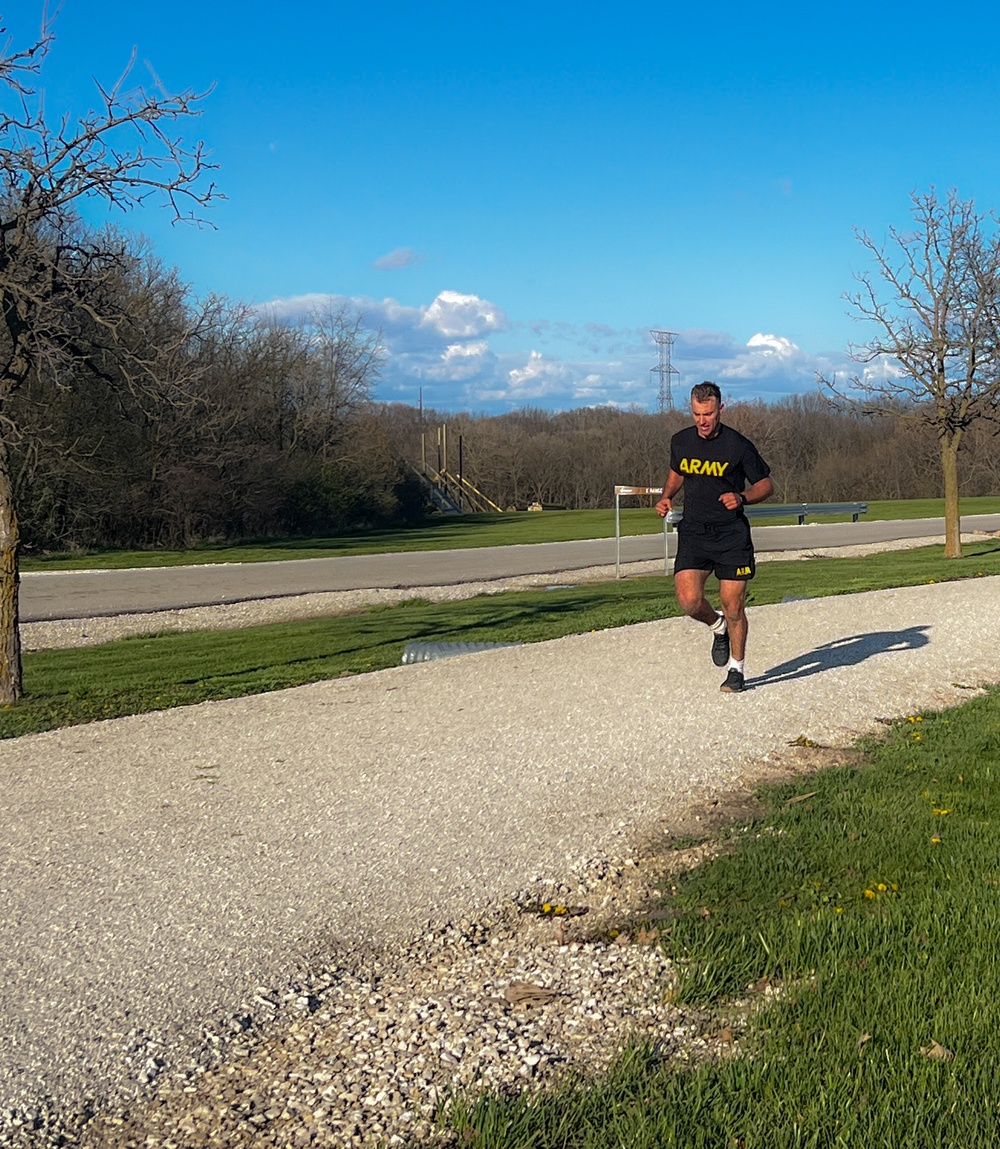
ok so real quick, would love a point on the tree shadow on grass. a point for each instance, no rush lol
(843, 652)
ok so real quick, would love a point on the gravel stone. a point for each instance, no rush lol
(306, 918)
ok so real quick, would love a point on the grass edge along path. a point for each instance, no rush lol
(867, 901)
(156, 672)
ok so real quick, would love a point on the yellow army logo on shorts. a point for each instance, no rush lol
(742, 571)
(704, 467)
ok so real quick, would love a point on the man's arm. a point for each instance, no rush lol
(670, 488)
(760, 491)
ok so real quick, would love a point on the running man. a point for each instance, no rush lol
(715, 464)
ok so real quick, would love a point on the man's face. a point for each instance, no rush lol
(707, 415)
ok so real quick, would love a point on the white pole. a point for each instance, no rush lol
(669, 519)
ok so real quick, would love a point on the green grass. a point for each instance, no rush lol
(877, 914)
(453, 532)
(869, 975)
(136, 675)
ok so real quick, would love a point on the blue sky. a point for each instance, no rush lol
(516, 194)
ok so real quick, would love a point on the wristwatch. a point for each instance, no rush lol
(743, 498)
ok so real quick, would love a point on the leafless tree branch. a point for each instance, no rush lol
(61, 300)
(932, 306)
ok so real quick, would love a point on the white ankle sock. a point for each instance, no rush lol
(719, 626)
(737, 664)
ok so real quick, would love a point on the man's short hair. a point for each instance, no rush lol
(702, 392)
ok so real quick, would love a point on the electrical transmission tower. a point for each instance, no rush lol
(664, 340)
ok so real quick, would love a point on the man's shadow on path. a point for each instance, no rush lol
(843, 652)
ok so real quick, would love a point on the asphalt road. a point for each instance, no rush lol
(92, 594)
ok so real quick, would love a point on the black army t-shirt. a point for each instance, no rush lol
(727, 462)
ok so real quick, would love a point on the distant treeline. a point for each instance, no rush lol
(190, 422)
(234, 427)
(816, 452)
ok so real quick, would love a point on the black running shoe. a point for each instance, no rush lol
(735, 683)
(720, 648)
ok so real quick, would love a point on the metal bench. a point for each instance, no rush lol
(799, 511)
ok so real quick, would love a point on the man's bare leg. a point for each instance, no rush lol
(690, 588)
(733, 596)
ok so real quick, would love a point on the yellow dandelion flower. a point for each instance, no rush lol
(881, 887)
(869, 893)
(935, 841)
(839, 909)
(941, 812)
(894, 887)
(547, 908)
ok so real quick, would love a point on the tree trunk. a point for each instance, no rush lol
(10, 635)
(952, 519)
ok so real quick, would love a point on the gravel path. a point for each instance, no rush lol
(166, 876)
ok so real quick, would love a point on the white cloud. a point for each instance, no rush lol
(698, 345)
(465, 353)
(766, 356)
(463, 316)
(396, 259)
(776, 343)
(462, 361)
(539, 377)
(450, 316)
(298, 307)
(460, 351)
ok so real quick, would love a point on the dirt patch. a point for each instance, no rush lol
(630, 897)
(711, 815)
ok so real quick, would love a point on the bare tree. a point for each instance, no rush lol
(83, 432)
(54, 314)
(934, 302)
(344, 361)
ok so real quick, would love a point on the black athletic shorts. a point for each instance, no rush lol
(725, 549)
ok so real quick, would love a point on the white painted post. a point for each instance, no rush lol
(671, 518)
(619, 491)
